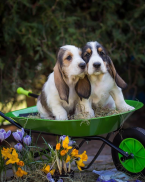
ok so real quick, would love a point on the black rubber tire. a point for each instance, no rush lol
(136, 133)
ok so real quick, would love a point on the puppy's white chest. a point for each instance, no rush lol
(99, 92)
(101, 89)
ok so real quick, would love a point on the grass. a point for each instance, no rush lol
(36, 175)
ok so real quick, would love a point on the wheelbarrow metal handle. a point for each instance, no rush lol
(19, 126)
(20, 90)
(10, 120)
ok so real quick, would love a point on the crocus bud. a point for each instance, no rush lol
(18, 135)
(27, 140)
(18, 147)
(4, 135)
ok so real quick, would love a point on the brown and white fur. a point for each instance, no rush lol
(106, 84)
(58, 97)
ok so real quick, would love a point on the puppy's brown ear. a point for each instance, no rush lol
(60, 84)
(111, 69)
(83, 88)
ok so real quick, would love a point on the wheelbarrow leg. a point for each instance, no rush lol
(98, 153)
(82, 142)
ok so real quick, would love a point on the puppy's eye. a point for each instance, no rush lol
(101, 53)
(69, 58)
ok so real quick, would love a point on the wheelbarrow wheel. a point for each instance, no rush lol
(131, 140)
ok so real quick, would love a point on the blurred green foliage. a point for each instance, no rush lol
(32, 31)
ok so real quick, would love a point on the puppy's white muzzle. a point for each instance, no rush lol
(96, 66)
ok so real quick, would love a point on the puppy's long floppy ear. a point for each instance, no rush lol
(60, 84)
(111, 69)
(83, 88)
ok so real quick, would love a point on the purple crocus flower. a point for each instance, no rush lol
(71, 142)
(62, 138)
(49, 177)
(18, 147)
(18, 135)
(27, 140)
(101, 180)
(4, 135)
(52, 180)
(60, 180)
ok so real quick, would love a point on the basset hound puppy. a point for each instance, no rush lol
(106, 84)
(58, 97)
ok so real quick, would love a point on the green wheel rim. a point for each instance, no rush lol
(131, 145)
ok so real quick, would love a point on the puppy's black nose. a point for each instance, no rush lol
(82, 65)
(97, 64)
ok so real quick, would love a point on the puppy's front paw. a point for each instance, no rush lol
(90, 114)
(61, 117)
(129, 108)
(126, 107)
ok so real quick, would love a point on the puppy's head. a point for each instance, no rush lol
(99, 62)
(71, 62)
(69, 66)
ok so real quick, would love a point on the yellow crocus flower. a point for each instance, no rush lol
(84, 156)
(74, 153)
(20, 172)
(20, 163)
(6, 153)
(58, 146)
(52, 171)
(66, 139)
(68, 159)
(46, 169)
(80, 164)
(63, 152)
(65, 143)
(13, 158)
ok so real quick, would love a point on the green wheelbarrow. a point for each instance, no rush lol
(128, 146)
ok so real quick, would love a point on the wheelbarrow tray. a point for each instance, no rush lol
(74, 128)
